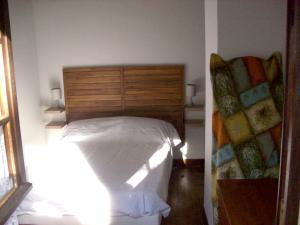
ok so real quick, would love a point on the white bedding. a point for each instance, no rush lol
(72, 220)
(118, 166)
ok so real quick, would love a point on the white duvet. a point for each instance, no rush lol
(105, 167)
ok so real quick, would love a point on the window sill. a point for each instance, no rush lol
(10, 205)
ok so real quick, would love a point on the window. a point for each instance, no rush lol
(13, 185)
(8, 179)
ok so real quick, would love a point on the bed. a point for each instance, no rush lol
(114, 161)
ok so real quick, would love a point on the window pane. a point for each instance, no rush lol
(6, 180)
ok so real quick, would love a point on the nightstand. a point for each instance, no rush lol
(194, 115)
(57, 121)
(56, 116)
(55, 110)
(56, 124)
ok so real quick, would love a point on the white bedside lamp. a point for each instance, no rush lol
(190, 93)
(56, 96)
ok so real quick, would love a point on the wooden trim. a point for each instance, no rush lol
(4, 120)
(289, 194)
(10, 154)
(10, 205)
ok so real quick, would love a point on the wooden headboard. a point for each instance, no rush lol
(144, 91)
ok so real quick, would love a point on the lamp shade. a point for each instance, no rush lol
(190, 90)
(56, 94)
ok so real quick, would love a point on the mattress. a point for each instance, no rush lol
(102, 169)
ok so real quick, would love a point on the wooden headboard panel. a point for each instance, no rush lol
(145, 91)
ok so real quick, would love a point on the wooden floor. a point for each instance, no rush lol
(186, 197)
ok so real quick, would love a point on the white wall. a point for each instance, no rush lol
(195, 140)
(112, 32)
(237, 28)
(255, 27)
(27, 79)
(211, 45)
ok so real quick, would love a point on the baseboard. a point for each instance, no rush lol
(188, 163)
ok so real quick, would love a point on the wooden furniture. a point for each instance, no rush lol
(55, 110)
(195, 121)
(247, 202)
(56, 124)
(145, 91)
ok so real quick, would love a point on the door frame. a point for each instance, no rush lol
(289, 179)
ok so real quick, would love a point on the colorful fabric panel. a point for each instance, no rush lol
(248, 95)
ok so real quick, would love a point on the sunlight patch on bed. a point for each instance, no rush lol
(64, 177)
(138, 177)
(154, 161)
(176, 141)
(159, 156)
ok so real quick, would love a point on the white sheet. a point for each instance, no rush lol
(106, 167)
(72, 220)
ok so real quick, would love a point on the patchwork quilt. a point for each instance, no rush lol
(247, 119)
